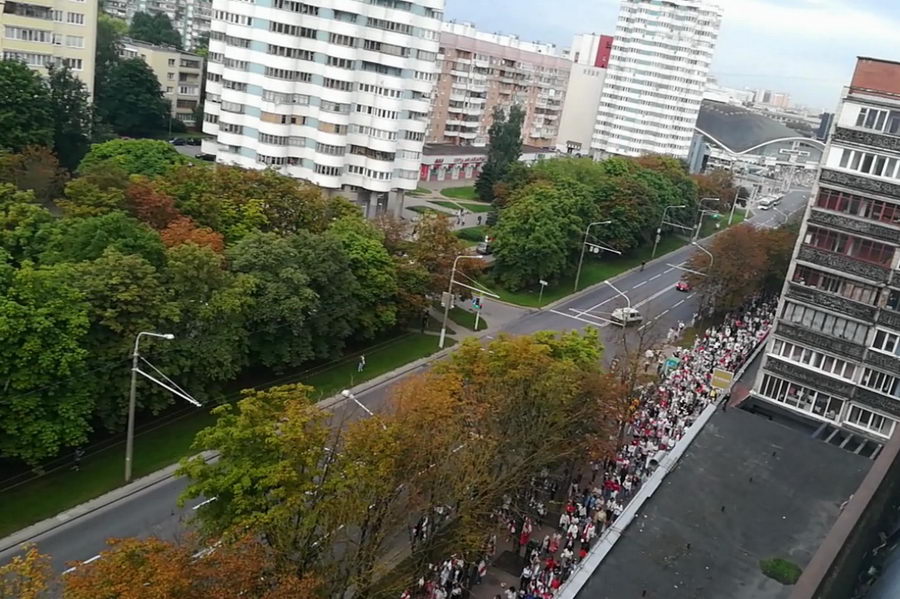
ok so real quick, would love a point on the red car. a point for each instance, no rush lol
(683, 286)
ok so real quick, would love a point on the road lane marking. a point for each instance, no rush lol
(678, 304)
(655, 277)
(661, 314)
(639, 284)
(594, 324)
(652, 297)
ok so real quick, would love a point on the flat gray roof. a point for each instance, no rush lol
(738, 128)
(747, 489)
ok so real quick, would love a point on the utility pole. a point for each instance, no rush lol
(584, 245)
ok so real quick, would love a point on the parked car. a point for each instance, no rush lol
(626, 316)
(207, 157)
(683, 286)
(194, 141)
(484, 248)
(177, 141)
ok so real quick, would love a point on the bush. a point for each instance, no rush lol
(781, 570)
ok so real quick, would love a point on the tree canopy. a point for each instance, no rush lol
(26, 115)
(133, 103)
(155, 29)
(504, 149)
(134, 156)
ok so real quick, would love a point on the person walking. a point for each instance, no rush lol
(362, 363)
(643, 264)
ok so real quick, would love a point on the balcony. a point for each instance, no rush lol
(860, 183)
(877, 400)
(840, 347)
(808, 377)
(849, 224)
(830, 302)
(883, 362)
(843, 263)
(890, 318)
(867, 138)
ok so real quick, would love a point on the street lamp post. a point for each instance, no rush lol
(616, 289)
(705, 251)
(450, 295)
(583, 245)
(347, 393)
(541, 294)
(700, 213)
(733, 204)
(132, 397)
(659, 228)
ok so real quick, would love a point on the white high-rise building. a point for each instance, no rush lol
(335, 92)
(656, 77)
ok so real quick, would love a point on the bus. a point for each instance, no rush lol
(768, 201)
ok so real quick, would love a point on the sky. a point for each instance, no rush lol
(807, 48)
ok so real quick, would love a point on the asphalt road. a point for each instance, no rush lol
(153, 511)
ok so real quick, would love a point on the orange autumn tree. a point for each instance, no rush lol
(150, 205)
(26, 576)
(184, 230)
(156, 569)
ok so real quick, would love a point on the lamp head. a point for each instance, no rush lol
(169, 336)
(346, 393)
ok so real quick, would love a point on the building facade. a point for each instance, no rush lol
(590, 56)
(834, 355)
(453, 162)
(334, 92)
(656, 77)
(479, 71)
(51, 32)
(179, 74)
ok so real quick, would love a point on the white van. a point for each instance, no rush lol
(768, 201)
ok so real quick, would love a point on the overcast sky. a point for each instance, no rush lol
(804, 47)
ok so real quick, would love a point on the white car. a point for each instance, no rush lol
(626, 316)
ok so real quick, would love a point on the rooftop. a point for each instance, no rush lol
(737, 128)
(747, 489)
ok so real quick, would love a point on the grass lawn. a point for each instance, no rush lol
(465, 205)
(419, 191)
(463, 318)
(473, 234)
(460, 193)
(157, 448)
(426, 210)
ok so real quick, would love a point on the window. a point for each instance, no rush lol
(373, 132)
(389, 26)
(341, 63)
(331, 171)
(238, 42)
(813, 358)
(170, 76)
(408, 155)
(856, 247)
(367, 172)
(406, 174)
(872, 118)
(231, 17)
(74, 41)
(233, 107)
(299, 7)
(376, 67)
(73, 63)
(801, 398)
(214, 77)
(240, 65)
(282, 98)
(861, 292)
(869, 420)
(235, 85)
(341, 40)
(288, 74)
(283, 119)
(75, 18)
(231, 128)
(379, 112)
(869, 163)
(330, 150)
(275, 140)
(856, 205)
(344, 86)
(880, 381)
(171, 62)
(413, 136)
(329, 106)
(344, 16)
(291, 52)
(327, 127)
(825, 323)
(188, 63)
(385, 48)
(34, 11)
(294, 30)
(57, 15)
(370, 153)
(887, 342)
(277, 160)
(27, 35)
(423, 55)
(381, 91)
(57, 39)
(170, 89)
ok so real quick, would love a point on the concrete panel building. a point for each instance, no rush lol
(834, 355)
(190, 18)
(590, 56)
(334, 92)
(51, 32)
(179, 74)
(656, 77)
(479, 71)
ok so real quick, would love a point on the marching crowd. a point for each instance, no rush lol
(660, 417)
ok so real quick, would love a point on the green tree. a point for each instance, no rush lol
(126, 295)
(211, 327)
(375, 272)
(72, 116)
(284, 302)
(133, 104)
(22, 221)
(81, 239)
(154, 29)
(150, 157)
(504, 149)
(43, 324)
(93, 196)
(25, 114)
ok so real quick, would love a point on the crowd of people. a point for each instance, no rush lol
(662, 413)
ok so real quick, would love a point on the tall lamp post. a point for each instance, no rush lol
(705, 251)
(449, 298)
(659, 228)
(132, 397)
(700, 213)
(584, 245)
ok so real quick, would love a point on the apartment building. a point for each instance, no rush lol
(479, 71)
(51, 32)
(833, 357)
(656, 77)
(335, 92)
(190, 18)
(590, 54)
(179, 73)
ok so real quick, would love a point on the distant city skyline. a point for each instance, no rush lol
(806, 48)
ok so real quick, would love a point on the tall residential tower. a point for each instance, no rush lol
(335, 92)
(656, 76)
(834, 355)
